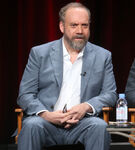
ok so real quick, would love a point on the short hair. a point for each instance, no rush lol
(63, 10)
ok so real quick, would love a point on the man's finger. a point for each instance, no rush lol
(67, 126)
(72, 121)
(65, 119)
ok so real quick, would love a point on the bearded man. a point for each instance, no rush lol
(64, 87)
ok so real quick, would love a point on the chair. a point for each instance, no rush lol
(131, 115)
(106, 112)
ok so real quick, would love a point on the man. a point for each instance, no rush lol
(130, 87)
(64, 87)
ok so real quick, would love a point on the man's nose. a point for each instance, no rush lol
(79, 29)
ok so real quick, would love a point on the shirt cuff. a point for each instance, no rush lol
(93, 109)
(40, 112)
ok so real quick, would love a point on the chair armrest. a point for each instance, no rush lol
(19, 112)
(106, 111)
(132, 112)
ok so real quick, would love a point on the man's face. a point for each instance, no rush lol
(76, 28)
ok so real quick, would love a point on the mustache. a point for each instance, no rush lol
(79, 37)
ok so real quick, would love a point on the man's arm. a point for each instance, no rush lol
(107, 96)
(130, 87)
(28, 91)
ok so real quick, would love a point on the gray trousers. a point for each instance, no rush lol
(37, 132)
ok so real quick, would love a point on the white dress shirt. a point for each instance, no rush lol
(71, 85)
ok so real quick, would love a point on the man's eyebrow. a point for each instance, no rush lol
(74, 23)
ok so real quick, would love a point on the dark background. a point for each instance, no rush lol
(26, 23)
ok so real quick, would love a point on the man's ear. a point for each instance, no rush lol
(61, 26)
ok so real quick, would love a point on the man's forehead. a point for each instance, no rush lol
(77, 15)
(76, 9)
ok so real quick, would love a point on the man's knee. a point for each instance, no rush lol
(33, 122)
(97, 123)
(36, 123)
(100, 123)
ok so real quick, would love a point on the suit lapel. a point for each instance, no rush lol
(88, 60)
(56, 55)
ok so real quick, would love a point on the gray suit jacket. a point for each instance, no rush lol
(130, 87)
(42, 78)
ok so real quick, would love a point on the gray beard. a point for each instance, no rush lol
(78, 46)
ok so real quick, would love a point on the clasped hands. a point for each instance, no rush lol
(69, 118)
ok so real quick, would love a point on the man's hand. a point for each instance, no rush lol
(79, 111)
(69, 118)
(58, 118)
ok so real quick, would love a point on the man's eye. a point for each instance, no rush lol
(85, 25)
(73, 25)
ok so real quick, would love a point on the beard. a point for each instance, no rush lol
(76, 45)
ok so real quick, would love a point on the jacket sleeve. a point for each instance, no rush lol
(29, 86)
(107, 95)
(130, 87)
